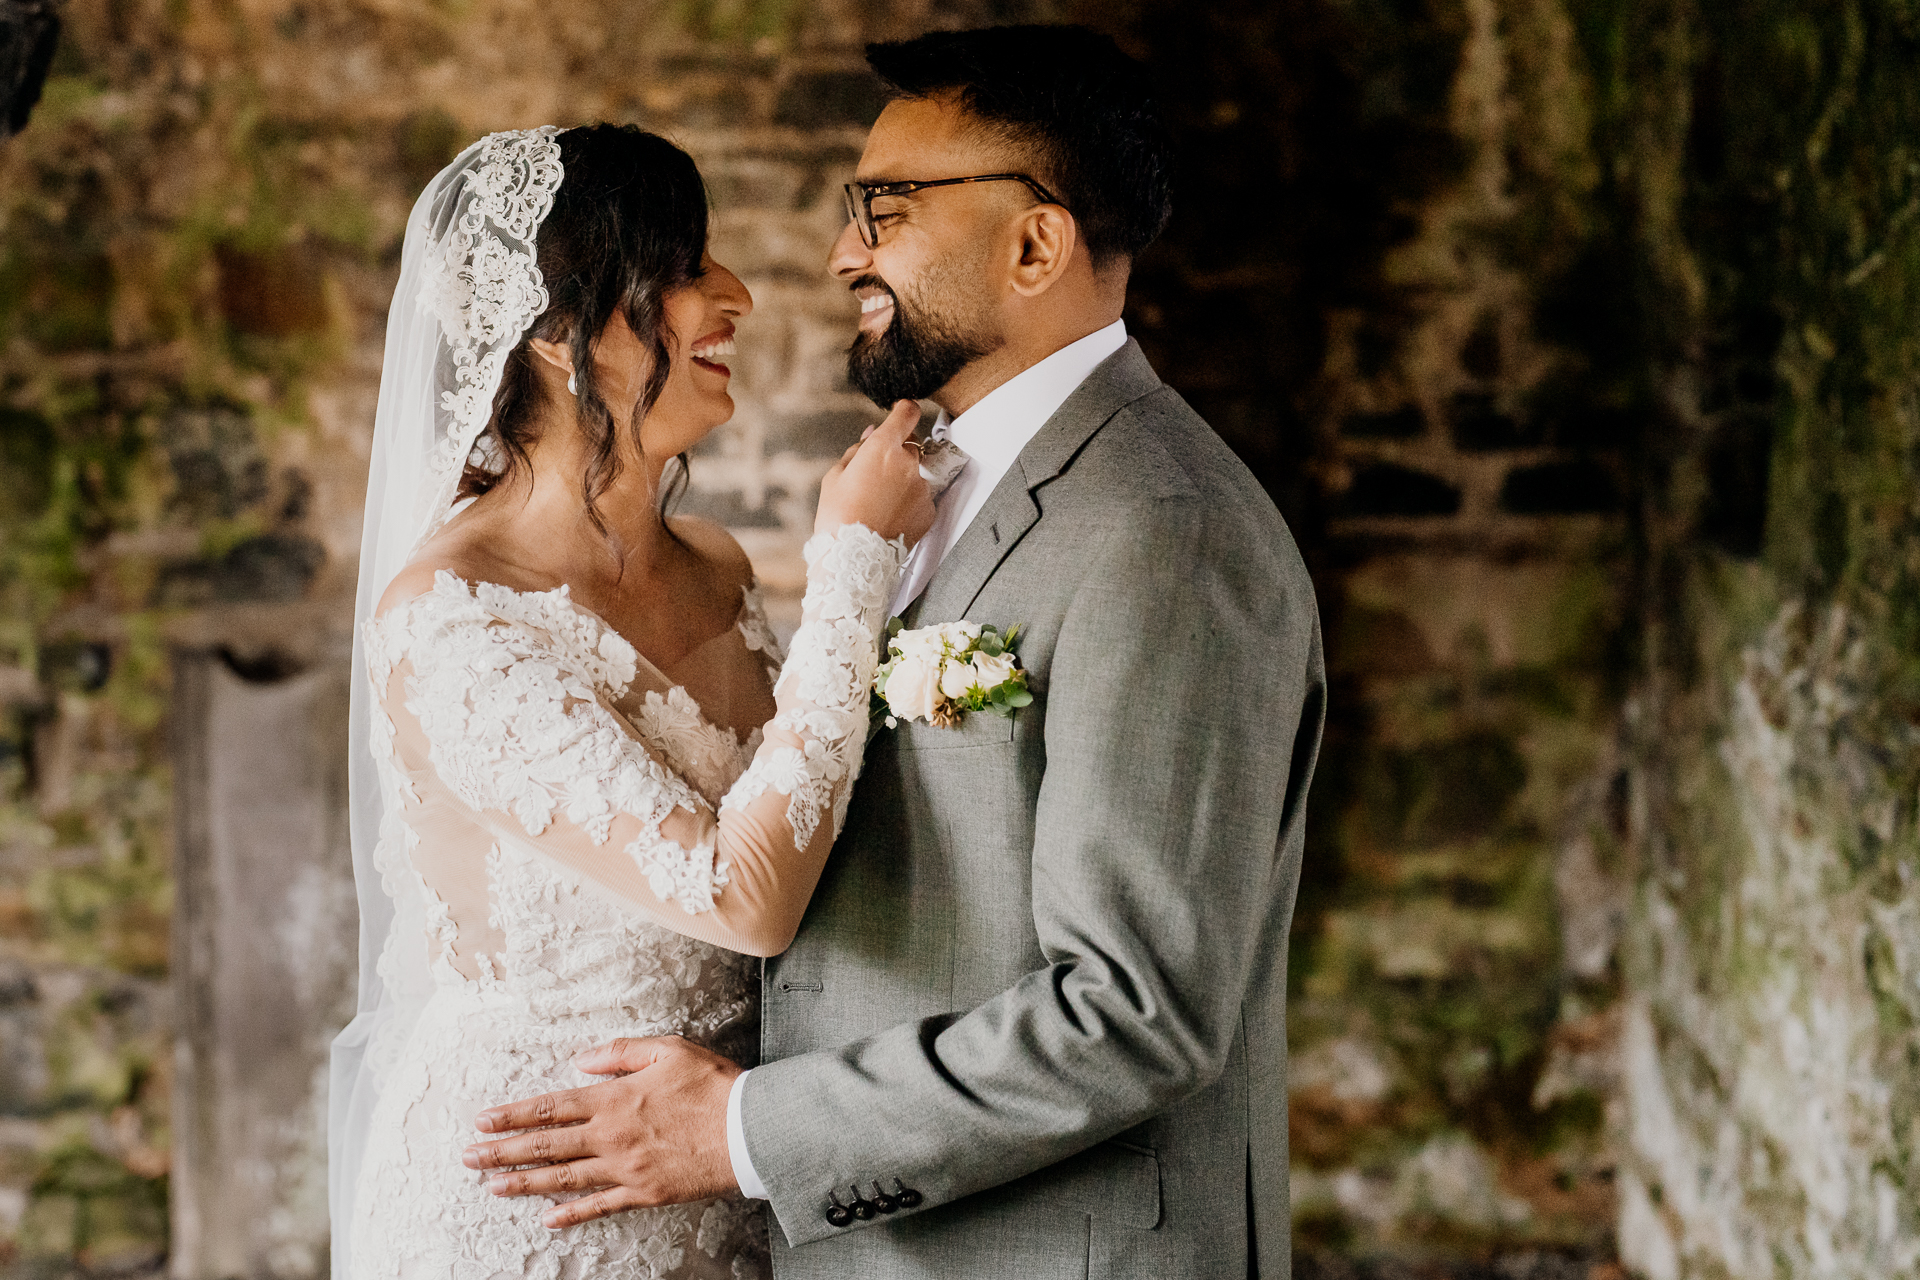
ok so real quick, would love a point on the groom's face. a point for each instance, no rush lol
(930, 305)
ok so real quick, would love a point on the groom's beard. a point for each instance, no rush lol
(923, 347)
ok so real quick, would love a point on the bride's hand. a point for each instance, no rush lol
(878, 483)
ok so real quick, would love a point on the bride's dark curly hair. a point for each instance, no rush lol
(628, 226)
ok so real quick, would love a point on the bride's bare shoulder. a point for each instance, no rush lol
(465, 558)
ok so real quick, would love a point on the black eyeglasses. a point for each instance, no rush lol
(860, 196)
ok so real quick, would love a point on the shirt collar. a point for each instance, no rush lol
(1000, 423)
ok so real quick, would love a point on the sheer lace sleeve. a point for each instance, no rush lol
(502, 700)
(812, 752)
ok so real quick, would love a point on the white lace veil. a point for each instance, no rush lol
(470, 287)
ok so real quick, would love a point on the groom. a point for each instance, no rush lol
(1033, 1024)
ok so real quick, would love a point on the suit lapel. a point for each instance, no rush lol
(1010, 510)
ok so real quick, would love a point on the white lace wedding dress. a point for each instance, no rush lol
(594, 854)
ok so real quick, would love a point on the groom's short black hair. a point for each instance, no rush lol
(1080, 111)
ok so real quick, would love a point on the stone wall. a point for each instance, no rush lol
(1574, 339)
(1771, 1054)
(1460, 476)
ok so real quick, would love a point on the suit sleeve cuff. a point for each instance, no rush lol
(750, 1185)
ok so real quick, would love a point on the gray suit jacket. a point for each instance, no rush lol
(1043, 980)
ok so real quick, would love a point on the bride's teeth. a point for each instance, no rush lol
(725, 347)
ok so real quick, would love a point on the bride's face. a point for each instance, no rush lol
(699, 319)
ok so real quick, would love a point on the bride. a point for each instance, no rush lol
(585, 789)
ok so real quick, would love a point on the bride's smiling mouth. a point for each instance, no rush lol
(707, 351)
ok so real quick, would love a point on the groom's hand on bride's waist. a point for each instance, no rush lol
(655, 1135)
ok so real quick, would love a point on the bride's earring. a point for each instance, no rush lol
(572, 388)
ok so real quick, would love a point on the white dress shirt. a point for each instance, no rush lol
(991, 433)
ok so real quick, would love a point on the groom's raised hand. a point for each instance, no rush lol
(657, 1135)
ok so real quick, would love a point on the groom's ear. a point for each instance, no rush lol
(1049, 241)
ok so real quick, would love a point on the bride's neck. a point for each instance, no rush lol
(550, 519)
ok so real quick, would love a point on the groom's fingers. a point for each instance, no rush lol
(542, 1146)
(567, 1107)
(655, 1136)
(568, 1178)
(600, 1204)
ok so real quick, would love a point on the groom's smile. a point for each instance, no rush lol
(876, 307)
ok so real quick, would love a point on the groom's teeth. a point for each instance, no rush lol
(875, 303)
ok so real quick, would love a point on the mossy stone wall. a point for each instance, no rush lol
(1576, 338)
(1770, 1057)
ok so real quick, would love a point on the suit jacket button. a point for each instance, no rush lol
(862, 1208)
(907, 1196)
(838, 1215)
(882, 1201)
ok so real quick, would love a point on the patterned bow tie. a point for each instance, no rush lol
(941, 462)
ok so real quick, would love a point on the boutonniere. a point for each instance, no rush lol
(940, 673)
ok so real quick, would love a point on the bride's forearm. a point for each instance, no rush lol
(811, 755)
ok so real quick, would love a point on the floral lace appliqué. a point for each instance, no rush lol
(757, 632)
(573, 970)
(850, 579)
(528, 707)
(506, 687)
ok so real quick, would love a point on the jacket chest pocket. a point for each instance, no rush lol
(976, 729)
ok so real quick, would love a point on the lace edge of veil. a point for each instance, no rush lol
(481, 282)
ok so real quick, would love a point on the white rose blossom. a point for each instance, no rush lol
(924, 644)
(913, 688)
(956, 678)
(991, 672)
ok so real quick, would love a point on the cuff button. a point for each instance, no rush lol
(838, 1215)
(862, 1208)
(882, 1201)
(907, 1196)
